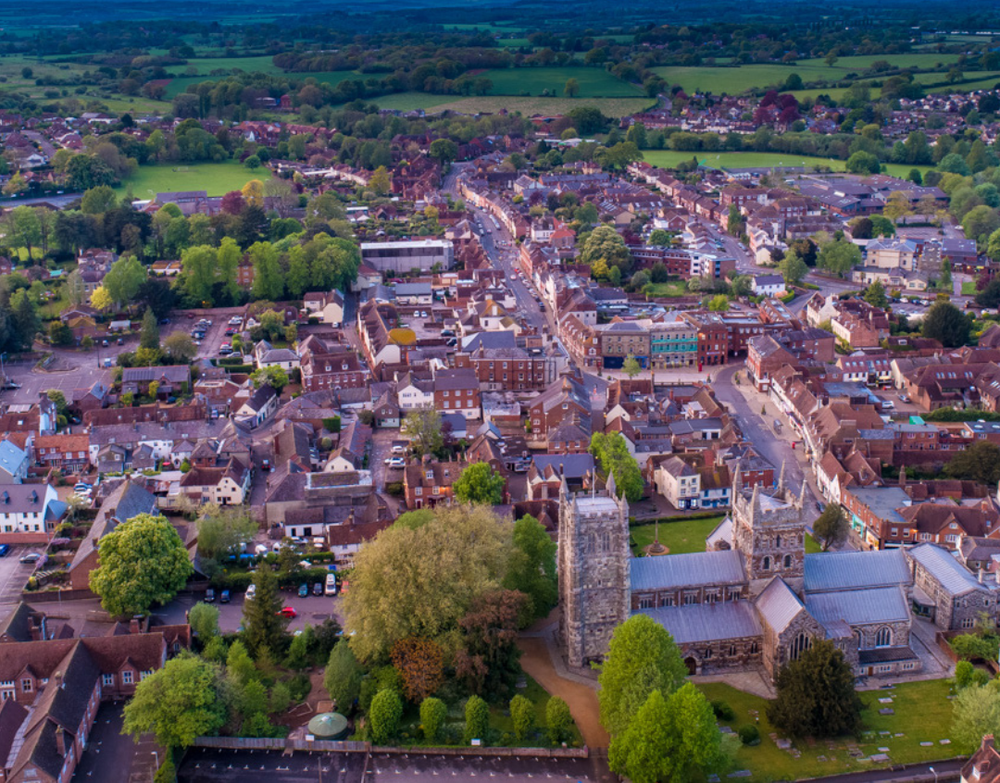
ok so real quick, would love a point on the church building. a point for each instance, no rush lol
(754, 600)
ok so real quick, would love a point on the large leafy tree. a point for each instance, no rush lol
(980, 462)
(142, 562)
(124, 279)
(816, 695)
(792, 267)
(384, 715)
(642, 658)
(264, 625)
(223, 528)
(615, 460)
(420, 582)
(607, 244)
(268, 280)
(420, 662)
(423, 427)
(479, 484)
(831, 526)
(976, 713)
(178, 703)
(671, 739)
(875, 295)
(342, 678)
(533, 568)
(149, 334)
(204, 621)
(838, 256)
(199, 266)
(948, 324)
(488, 660)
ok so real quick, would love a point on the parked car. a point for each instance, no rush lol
(331, 584)
(209, 596)
(121, 341)
(82, 486)
(318, 588)
(399, 449)
(303, 590)
(344, 585)
(395, 462)
(224, 598)
(31, 557)
(289, 612)
(4, 550)
(250, 593)
(903, 398)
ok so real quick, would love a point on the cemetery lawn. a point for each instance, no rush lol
(922, 713)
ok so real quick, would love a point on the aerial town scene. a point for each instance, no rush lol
(530, 391)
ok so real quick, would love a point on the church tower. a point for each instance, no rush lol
(769, 532)
(594, 589)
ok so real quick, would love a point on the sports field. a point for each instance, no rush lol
(670, 158)
(216, 178)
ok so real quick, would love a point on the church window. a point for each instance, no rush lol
(788, 561)
(883, 638)
(711, 596)
(777, 542)
(666, 600)
(605, 541)
(754, 648)
(767, 564)
(801, 643)
(690, 599)
(732, 650)
(708, 653)
(968, 622)
(646, 602)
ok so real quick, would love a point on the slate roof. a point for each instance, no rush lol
(778, 604)
(128, 500)
(860, 607)
(943, 566)
(707, 622)
(829, 571)
(11, 457)
(687, 570)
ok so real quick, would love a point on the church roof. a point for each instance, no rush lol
(778, 604)
(860, 607)
(943, 566)
(831, 571)
(707, 622)
(689, 570)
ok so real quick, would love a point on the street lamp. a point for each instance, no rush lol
(935, 773)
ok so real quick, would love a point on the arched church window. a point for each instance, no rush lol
(753, 648)
(605, 541)
(788, 561)
(801, 643)
(767, 564)
(777, 542)
(884, 637)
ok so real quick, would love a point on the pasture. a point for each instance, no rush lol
(180, 84)
(611, 107)
(717, 160)
(215, 178)
(594, 82)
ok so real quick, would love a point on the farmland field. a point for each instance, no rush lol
(206, 65)
(594, 82)
(216, 178)
(611, 107)
(180, 84)
(670, 158)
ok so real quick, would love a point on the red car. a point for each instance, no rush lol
(289, 612)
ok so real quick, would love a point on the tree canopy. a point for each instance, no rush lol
(614, 458)
(948, 324)
(479, 484)
(142, 562)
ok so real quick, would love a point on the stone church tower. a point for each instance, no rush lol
(594, 589)
(769, 532)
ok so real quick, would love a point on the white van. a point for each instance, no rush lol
(331, 584)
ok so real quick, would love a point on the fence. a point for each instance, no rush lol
(330, 746)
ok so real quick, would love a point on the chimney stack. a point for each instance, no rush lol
(61, 741)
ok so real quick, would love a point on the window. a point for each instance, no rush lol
(777, 542)
(127, 677)
(646, 602)
(788, 561)
(801, 643)
(107, 680)
(968, 622)
(767, 564)
(883, 638)
(27, 686)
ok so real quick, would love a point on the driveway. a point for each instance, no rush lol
(80, 371)
(14, 575)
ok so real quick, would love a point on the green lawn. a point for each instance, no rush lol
(679, 537)
(528, 106)
(216, 178)
(922, 714)
(670, 158)
(688, 535)
(594, 82)
(676, 288)
(969, 288)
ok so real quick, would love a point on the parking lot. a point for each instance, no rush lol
(82, 371)
(14, 575)
(313, 609)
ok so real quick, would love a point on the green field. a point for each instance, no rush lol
(594, 82)
(922, 714)
(410, 101)
(216, 178)
(758, 76)
(180, 84)
(670, 158)
(205, 65)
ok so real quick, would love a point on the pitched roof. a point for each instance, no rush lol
(128, 500)
(942, 565)
(831, 571)
(860, 607)
(707, 622)
(778, 604)
(687, 570)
